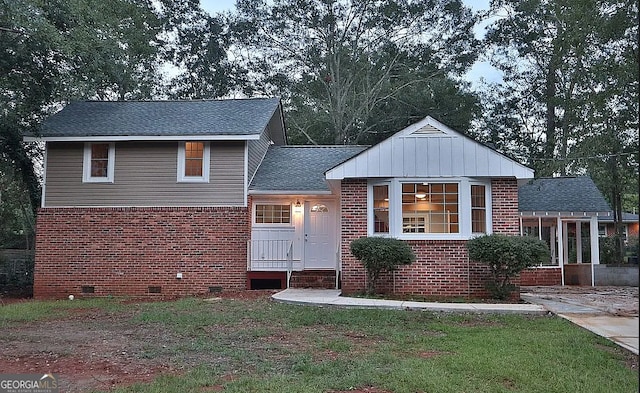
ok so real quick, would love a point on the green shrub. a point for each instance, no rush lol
(506, 256)
(380, 254)
(608, 252)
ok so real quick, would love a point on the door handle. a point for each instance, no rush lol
(306, 237)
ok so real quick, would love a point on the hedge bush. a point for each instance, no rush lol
(506, 256)
(380, 254)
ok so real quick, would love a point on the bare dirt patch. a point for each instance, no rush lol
(90, 348)
(620, 301)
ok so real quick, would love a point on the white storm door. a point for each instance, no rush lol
(320, 235)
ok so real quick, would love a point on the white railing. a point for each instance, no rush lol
(269, 254)
(338, 268)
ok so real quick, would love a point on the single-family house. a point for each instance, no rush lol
(629, 222)
(173, 198)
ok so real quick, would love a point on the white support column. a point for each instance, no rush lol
(578, 241)
(565, 241)
(521, 229)
(561, 248)
(595, 247)
(539, 228)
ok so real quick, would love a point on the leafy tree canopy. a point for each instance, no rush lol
(342, 65)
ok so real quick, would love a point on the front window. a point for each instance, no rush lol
(478, 209)
(430, 208)
(425, 209)
(273, 214)
(193, 162)
(381, 208)
(99, 161)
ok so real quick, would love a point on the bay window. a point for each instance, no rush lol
(456, 208)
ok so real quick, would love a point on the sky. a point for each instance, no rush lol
(481, 69)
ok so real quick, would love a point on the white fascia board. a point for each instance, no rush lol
(141, 138)
(563, 214)
(287, 192)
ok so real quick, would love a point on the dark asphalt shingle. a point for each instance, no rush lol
(161, 118)
(299, 168)
(561, 194)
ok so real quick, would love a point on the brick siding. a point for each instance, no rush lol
(124, 251)
(541, 276)
(442, 268)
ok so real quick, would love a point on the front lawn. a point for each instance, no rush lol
(256, 345)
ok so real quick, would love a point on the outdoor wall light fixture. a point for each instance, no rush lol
(297, 208)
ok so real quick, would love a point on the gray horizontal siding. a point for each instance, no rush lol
(257, 150)
(145, 175)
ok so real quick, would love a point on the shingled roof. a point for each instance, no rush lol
(241, 117)
(299, 168)
(561, 194)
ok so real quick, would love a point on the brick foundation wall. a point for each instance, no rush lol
(442, 268)
(541, 277)
(124, 251)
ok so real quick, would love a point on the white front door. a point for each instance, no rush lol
(320, 235)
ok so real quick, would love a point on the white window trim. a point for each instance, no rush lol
(290, 224)
(370, 213)
(206, 163)
(395, 209)
(487, 208)
(86, 165)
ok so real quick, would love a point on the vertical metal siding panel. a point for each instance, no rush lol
(457, 152)
(409, 156)
(397, 149)
(469, 157)
(372, 168)
(434, 155)
(482, 160)
(385, 159)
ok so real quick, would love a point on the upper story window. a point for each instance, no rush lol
(193, 162)
(272, 214)
(98, 163)
(429, 208)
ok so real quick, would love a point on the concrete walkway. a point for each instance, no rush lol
(621, 330)
(328, 297)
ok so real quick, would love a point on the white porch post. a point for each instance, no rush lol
(578, 241)
(539, 228)
(565, 241)
(561, 248)
(595, 247)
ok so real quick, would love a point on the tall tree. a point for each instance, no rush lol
(196, 45)
(337, 63)
(571, 87)
(57, 50)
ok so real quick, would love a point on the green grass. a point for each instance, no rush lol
(43, 310)
(262, 346)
